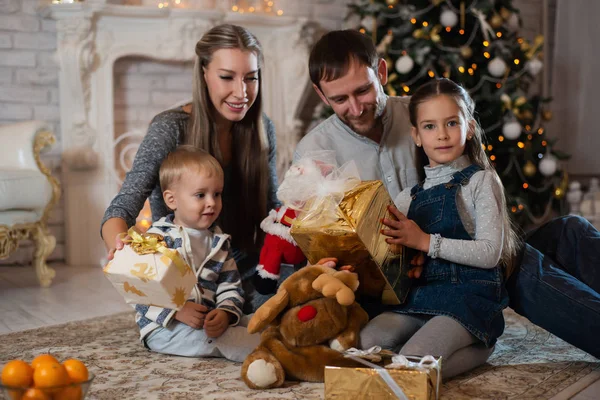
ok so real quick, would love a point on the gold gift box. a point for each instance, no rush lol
(354, 238)
(156, 279)
(367, 383)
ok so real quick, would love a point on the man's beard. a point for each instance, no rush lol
(371, 113)
(368, 116)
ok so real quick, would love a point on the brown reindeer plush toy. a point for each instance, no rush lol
(309, 321)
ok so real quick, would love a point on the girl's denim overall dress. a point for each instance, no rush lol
(475, 297)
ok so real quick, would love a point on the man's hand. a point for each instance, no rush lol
(192, 314)
(217, 322)
(331, 262)
(404, 231)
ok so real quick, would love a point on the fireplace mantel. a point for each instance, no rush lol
(92, 35)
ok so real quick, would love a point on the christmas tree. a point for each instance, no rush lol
(477, 44)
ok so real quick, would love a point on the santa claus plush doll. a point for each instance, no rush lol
(279, 247)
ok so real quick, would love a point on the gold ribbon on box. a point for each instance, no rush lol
(399, 361)
(150, 243)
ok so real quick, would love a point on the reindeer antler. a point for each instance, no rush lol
(331, 286)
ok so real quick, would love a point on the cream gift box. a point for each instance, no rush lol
(146, 272)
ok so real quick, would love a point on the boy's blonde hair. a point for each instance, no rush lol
(185, 158)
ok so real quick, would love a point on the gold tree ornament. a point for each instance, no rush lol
(527, 116)
(435, 34)
(538, 42)
(496, 21)
(561, 190)
(529, 169)
(519, 101)
(547, 115)
(391, 2)
(466, 52)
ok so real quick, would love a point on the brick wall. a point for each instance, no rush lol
(29, 90)
(143, 87)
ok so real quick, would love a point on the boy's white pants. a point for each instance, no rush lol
(181, 340)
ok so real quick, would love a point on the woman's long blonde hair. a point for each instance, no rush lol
(473, 149)
(250, 147)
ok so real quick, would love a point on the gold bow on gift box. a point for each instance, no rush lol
(150, 243)
(143, 243)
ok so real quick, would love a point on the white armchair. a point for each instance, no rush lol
(28, 192)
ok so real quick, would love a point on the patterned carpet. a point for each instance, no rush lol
(528, 363)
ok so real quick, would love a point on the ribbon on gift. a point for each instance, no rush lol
(150, 243)
(398, 361)
(315, 185)
(422, 363)
(371, 354)
(356, 355)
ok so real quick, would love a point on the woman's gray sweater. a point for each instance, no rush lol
(165, 133)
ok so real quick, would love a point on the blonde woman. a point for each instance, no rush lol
(225, 118)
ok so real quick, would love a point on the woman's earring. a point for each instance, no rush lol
(469, 137)
(418, 144)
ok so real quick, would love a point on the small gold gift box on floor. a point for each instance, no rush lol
(412, 380)
(353, 236)
(145, 271)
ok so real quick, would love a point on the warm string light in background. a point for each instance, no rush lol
(144, 219)
(257, 7)
(239, 6)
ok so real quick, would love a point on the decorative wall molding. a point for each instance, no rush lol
(92, 35)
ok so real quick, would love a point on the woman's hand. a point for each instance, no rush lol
(118, 246)
(113, 228)
(404, 231)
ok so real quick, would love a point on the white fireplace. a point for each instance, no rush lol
(92, 35)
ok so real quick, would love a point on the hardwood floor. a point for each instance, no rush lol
(83, 292)
(76, 293)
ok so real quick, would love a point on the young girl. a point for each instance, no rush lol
(458, 217)
(225, 118)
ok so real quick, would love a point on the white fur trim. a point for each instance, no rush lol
(260, 269)
(281, 212)
(268, 225)
(261, 373)
(336, 345)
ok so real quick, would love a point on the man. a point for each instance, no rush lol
(557, 284)
(368, 126)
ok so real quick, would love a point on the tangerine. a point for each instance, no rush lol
(49, 374)
(76, 370)
(17, 373)
(43, 358)
(69, 393)
(35, 394)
